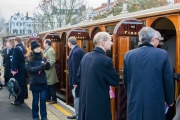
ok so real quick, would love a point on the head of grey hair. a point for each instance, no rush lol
(157, 35)
(72, 40)
(146, 34)
(100, 36)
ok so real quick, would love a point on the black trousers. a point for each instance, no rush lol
(20, 97)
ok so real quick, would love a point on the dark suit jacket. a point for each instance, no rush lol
(18, 63)
(73, 64)
(96, 74)
(7, 62)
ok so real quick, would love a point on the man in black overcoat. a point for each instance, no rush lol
(7, 61)
(74, 59)
(147, 79)
(18, 68)
(96, 74)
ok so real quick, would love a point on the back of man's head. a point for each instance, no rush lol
(146, 34)
(99, 37)
(48, 41)
(18, 39)
(72, 40)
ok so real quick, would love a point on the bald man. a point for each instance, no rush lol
(96, 74)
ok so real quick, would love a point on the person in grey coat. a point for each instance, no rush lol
(147, 79)
(96, 74)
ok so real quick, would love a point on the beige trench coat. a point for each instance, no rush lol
(51, 73)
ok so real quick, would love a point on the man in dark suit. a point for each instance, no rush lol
(96, 74)
(74, 59)
(147, 79)
(18, 68)
(7, 61)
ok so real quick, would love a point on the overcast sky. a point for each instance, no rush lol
(10, 7)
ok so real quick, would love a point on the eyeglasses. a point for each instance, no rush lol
(157, 39)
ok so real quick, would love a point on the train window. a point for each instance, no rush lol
(134, 42)
(110, 29)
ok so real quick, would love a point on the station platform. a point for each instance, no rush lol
(58, 111)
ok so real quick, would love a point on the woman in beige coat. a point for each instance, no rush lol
(51, 73)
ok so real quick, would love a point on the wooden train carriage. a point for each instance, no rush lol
(4, 39)
(124, 30)
(11, 39)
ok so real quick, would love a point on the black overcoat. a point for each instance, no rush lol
(96, 74)
(7, 62)
(73, 64)
(18, 64)
(148, 83)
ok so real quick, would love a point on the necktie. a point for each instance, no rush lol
(8, 51)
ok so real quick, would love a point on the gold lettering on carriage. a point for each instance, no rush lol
(130, 33)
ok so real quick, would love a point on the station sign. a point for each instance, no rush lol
(79, 34)
(34, 35)
(129, 27)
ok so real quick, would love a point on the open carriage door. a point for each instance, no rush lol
(168, 26)
(125, 38)
(37, 38)
(83, 41)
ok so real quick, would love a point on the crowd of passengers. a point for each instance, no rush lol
(147, 76)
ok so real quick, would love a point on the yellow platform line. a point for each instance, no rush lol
(62, 110)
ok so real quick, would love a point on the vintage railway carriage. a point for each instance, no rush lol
(124, 30)
(11, 39)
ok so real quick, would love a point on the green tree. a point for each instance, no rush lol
(53, 13)
(133, 6)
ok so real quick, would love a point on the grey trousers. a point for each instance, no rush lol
(76, 106)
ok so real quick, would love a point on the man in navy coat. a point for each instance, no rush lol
(147, 79)
(74, 59)
(18, 68)
(96, 74)
(7, 61)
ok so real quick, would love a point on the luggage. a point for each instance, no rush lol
(13, 87)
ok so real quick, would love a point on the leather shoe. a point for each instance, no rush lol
(71, 117)
(15, 103)
(52, 102)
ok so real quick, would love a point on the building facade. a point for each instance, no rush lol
(20, 24)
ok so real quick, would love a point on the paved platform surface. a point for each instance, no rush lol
(10, 112)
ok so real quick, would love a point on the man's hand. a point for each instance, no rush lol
(13, 72)
(75, 86)
(171, 104)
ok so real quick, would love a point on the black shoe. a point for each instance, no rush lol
(71, 117)
(15, 103)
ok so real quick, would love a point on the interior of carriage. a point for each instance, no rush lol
(166, 28)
